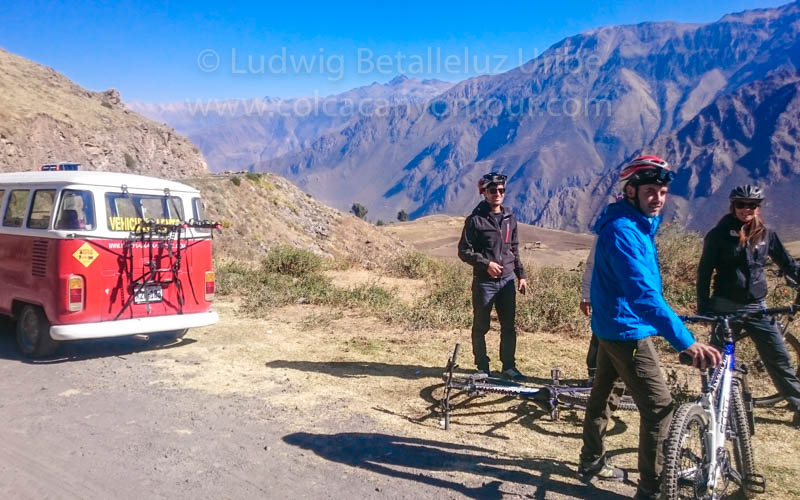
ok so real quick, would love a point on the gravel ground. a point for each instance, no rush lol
(95, 424)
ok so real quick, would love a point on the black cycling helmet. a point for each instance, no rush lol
(490, 179)
(747, 192)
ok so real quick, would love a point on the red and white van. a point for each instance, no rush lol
(87, 255)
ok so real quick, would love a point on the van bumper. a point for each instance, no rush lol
(123, 327)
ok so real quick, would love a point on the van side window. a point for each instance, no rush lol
(199, 213)
(17, 204)
(76, 210)
(42, 208)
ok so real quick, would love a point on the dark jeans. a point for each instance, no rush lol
(591, 356)
(770, 346)
(502, 294)
(636, 363)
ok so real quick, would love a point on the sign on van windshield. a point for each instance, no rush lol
(128, 212)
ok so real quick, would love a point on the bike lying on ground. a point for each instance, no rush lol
(551, 398)
(708, 445)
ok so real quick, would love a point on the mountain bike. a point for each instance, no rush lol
(552, 397)
(708, 445)
(762, 388)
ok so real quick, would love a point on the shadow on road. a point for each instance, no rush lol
(432, 462)
(78, 350)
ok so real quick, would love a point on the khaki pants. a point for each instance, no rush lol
(636, 363)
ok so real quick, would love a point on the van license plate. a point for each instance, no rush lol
(150, 293)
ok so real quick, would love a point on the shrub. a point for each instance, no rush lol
(129, 161)
(359, 210)
(448, 304)
(678, 254)
(402, 216)
(413, 265)
(551, 303)
(291, 261)
(253, 177)
(236, 181)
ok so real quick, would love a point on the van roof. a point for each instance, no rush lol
(110, 179)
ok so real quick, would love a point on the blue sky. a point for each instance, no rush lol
(177, 51)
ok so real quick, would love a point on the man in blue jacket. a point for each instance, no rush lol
(628, 309)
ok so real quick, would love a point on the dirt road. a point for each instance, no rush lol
(221, 415)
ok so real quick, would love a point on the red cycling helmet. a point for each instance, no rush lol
(646, 170)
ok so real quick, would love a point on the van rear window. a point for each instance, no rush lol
(76, 210)
(127, 212)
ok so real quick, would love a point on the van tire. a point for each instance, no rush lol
(33, 332)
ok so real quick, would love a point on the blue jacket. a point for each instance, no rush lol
(627, 299)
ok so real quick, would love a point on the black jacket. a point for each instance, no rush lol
(483, 241)
(741, 275)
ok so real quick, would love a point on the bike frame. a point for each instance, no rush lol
(715, 401)
(716, 398)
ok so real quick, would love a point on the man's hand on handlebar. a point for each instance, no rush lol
(703, 355)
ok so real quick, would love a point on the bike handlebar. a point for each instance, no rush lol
(713, 318)
(685, 359)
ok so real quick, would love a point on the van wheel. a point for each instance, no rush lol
(33, 333)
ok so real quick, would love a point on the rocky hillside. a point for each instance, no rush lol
(261, 211)
(753, 133)
(44, 117)
(561, 120)
(234, 134)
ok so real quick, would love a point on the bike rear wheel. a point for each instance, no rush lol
(685, 464)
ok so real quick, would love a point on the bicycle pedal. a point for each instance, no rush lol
(756, 483)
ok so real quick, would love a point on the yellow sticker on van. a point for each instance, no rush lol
(86, 254)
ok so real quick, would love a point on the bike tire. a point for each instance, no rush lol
(684, 450)
(773, 398)
(741, 437)
(579, 400)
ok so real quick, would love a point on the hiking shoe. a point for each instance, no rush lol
(601, 471)
(514, 375)
(484, 371)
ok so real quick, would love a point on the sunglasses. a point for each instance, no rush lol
(496, 190)
(746, 204)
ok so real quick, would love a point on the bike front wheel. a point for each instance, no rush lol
(744, 457)
(685, 462)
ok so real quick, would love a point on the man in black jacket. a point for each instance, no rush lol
(489, 244)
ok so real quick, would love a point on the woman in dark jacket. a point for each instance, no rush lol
(737, 249)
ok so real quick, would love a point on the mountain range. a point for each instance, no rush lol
(236, 133)
(717, 100)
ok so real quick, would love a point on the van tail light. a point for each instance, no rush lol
(76, 293)
(211, 285)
